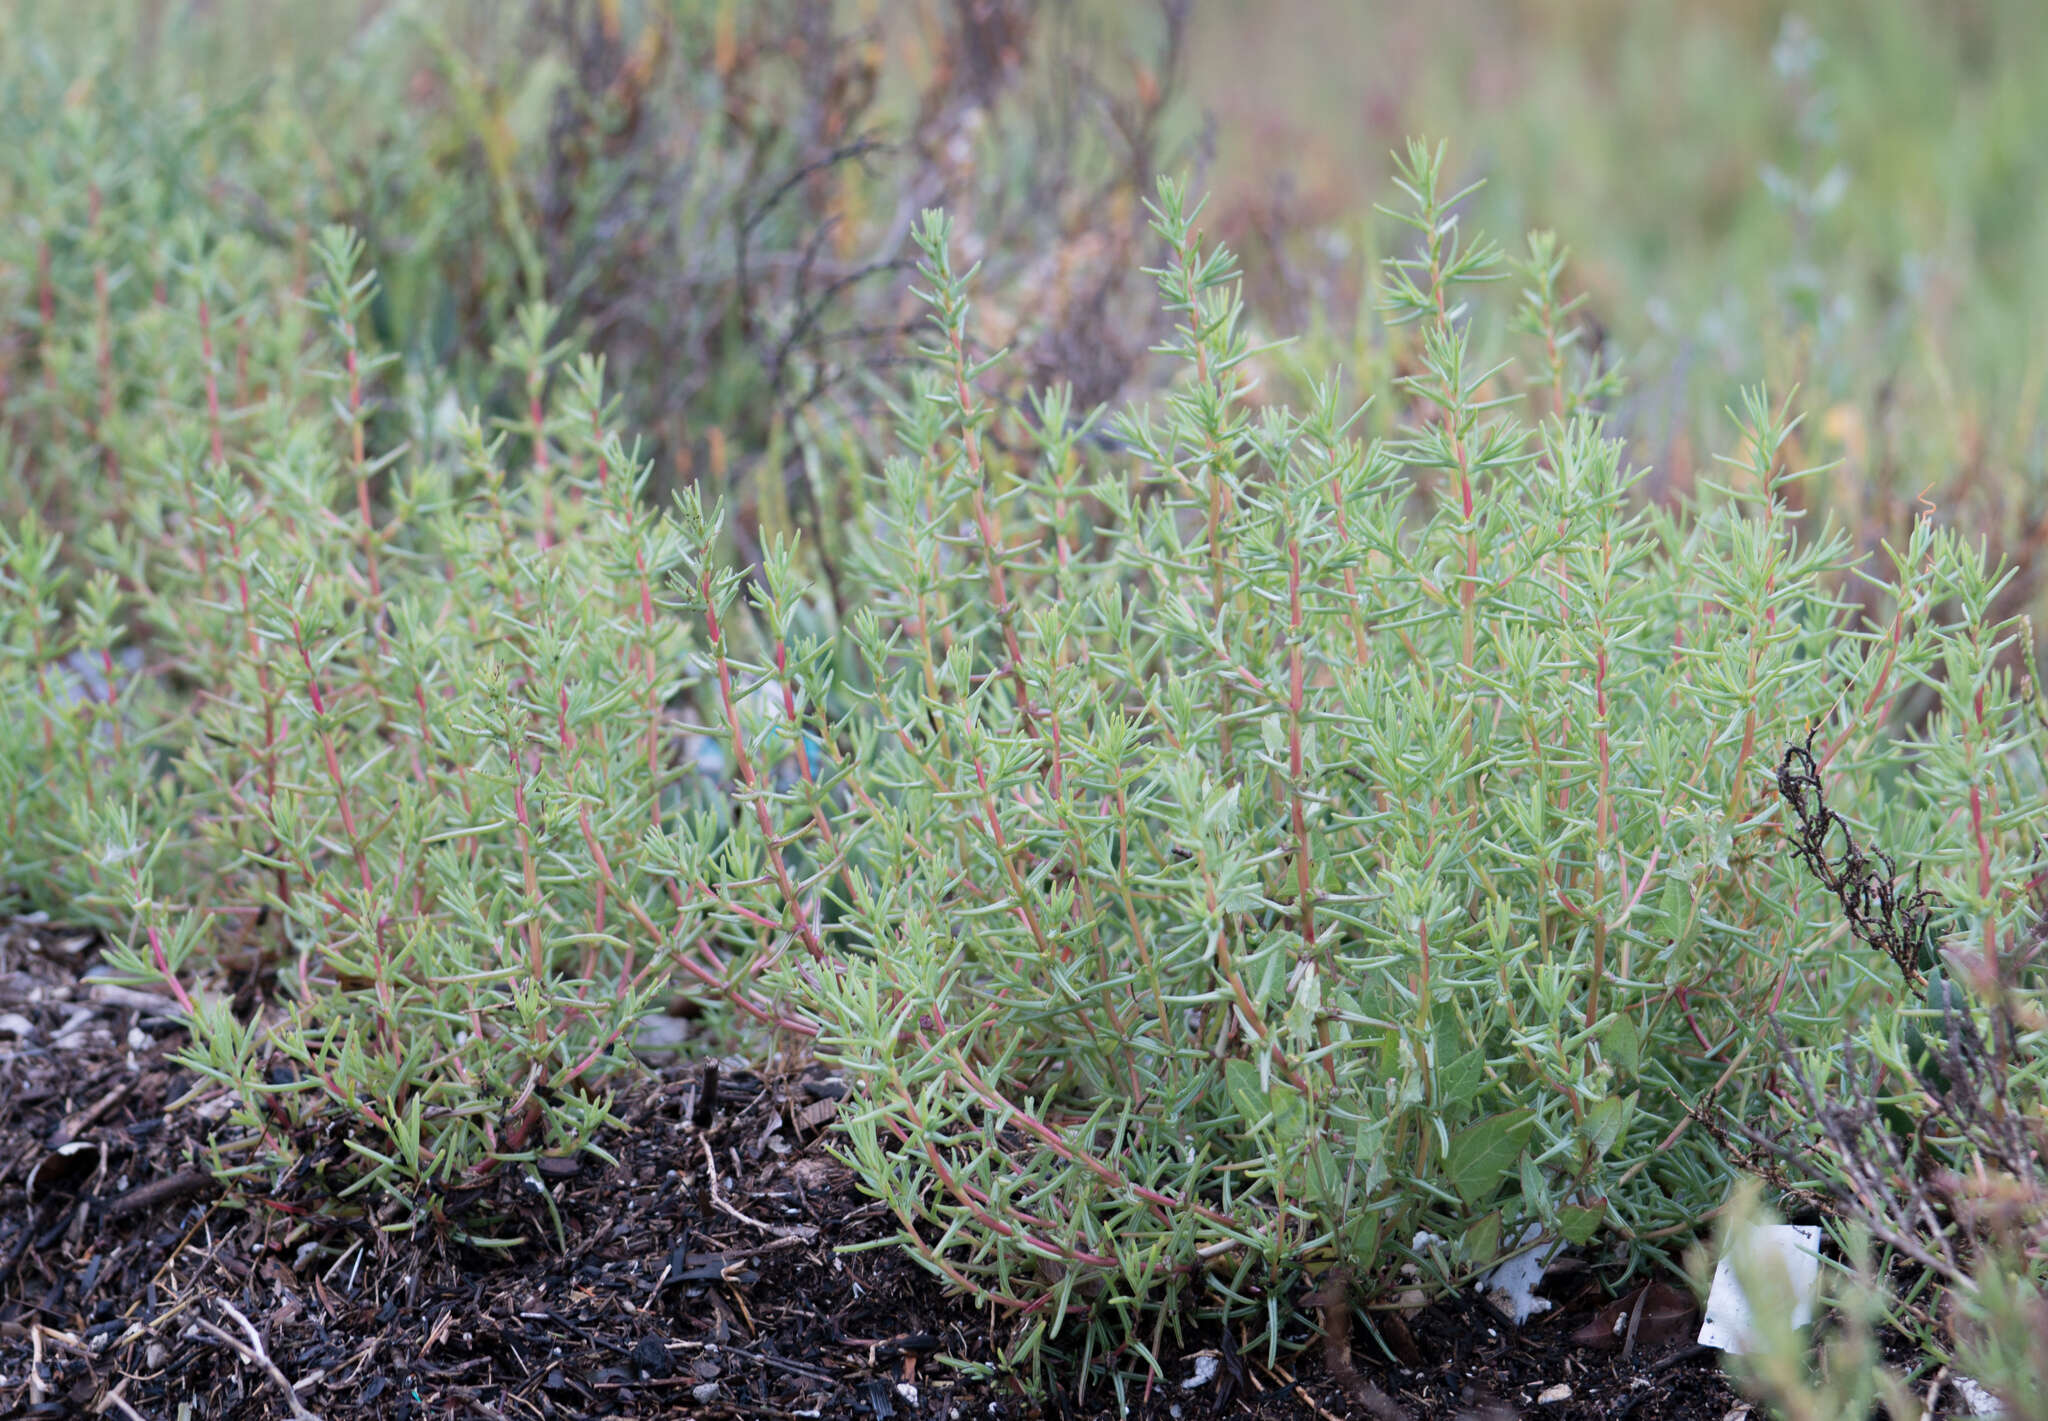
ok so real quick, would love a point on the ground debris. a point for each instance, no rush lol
(133, 1286)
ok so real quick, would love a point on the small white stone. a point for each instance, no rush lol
(705, 1392)
(1513, 1282)
(1551, 1395)
(1205, 1372)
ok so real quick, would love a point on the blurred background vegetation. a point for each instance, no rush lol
(1844, 195)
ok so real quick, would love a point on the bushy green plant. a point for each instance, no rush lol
(1220, 848)
(298, 643)
(430, 775)
(1264, 850)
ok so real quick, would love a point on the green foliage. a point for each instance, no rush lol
(1265, 849)
(432, 749)
(1224, 841)
(387, 703)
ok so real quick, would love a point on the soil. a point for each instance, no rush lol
(703, 1275)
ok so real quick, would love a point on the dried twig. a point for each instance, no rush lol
(79, 1121)
(115, 1400)
(802, 1232)
(1898, 920)
(156, 1192)
(255, 1354)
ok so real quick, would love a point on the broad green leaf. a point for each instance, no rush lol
(1306, 1006)
(1247, 1091)
(1535, 1190)
(1363, 1242)
(1323, 1177)
(1290, 1116)
(1412, 1084)
(1278, 1111)
(1579, 1222)
(1457, 1084)
(1605, 1123)
(1674, 905)
(1482, 1154)
(1482, 1240)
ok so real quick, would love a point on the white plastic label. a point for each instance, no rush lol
(1797, 1248)
(1980, 1401)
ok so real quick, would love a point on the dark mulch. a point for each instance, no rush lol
(129, 1288)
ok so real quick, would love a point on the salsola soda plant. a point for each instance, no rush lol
(1220, 849)
(425, 769)
(294, 647)
(256, 564)
(1262, 852)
